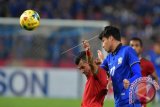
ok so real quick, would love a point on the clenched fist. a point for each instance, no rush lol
(126, 83)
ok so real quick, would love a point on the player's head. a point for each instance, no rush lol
(156, 47)
(156, 44)
(81, 62)
(137, 44)
(108, 36)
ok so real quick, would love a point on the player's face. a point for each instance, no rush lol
(156, 48)
(84, 67)
(136, 46)
(106, 44)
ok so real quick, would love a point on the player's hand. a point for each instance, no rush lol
(97, 61)
(89, 56)
(100, 55)
(86, 44)
(109, 85)
(126, 83)
(88, 51)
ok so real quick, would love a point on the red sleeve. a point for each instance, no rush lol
(102, 77)
(150, 67)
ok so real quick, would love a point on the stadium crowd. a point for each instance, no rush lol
(135, 17)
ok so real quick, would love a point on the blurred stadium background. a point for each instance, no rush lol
(33, 72)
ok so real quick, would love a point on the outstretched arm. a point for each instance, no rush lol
(89, 57)
(98, 72)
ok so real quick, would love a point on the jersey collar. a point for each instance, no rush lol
(117, 49)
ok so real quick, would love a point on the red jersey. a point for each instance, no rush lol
(95, 89)
(147, 67)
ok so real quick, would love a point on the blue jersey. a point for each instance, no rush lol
(118, 64)
(155, 59)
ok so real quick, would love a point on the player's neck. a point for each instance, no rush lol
(115, 45)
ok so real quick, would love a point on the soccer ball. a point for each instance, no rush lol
(29, 20)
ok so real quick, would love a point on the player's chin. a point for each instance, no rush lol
(107, 50)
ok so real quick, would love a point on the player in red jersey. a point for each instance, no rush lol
(97, 80)
(147, 68)
(146, 65)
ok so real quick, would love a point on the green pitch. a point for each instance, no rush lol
(45, 102)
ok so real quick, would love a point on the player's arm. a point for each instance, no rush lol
(152, 71)
(136, 74)
(133, 61)
(101, 59)
(136, 69)
(102, 77)
(104, 65)
(98, 72)
(89, 57)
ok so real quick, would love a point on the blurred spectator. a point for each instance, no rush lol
(135, 18)
(143, 15)
(5, 47)
(154, 55)
(124, 40)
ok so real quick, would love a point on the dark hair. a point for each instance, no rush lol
(110, 31)
(81, 55)
(137, 39)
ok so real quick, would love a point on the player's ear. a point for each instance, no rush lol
(111, 38)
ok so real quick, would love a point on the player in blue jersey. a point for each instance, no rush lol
(121, 63)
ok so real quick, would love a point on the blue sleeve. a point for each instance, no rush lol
(134, 64)
(132, 56)
(104, 65)
(136, 69)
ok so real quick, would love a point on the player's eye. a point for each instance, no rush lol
(131, 45)
(102, 40)
(82, 67)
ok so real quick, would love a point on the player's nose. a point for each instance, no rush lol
(103, 45)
